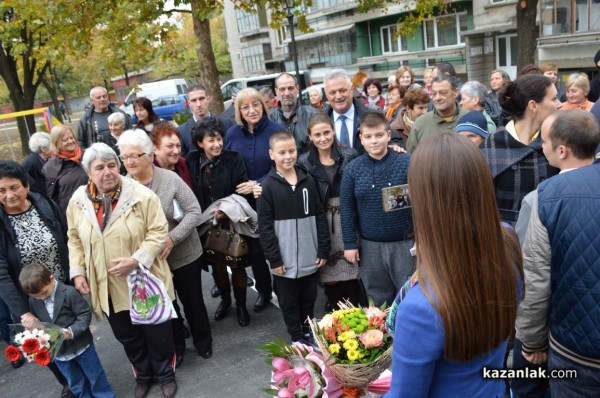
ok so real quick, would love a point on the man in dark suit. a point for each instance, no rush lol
(52, 301)
(199, 101)
(347, 112)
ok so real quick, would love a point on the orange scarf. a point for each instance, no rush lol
(75, 156)
(390, 110)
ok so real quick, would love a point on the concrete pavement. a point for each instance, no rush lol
(236, 369)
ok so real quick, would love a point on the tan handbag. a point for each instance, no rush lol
(224, 246)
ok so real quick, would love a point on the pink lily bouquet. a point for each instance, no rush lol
(299, 372)
(355, 344)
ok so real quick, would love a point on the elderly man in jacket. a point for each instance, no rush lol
(558, 318)
(94, 122)
(290, 113)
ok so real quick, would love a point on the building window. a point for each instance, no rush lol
(561, 17)
(334, 50)
(318, 5)
(282, 34)
(253, 58)
(445, 30)
(390, 43)
(246, 22)
(498, 1)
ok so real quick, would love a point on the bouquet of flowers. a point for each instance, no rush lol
(40, 344)
(299, 372)
(355, 344)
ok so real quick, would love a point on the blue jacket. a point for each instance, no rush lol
(419, 369)
(254, 146)
(568, 206)
(361, 200)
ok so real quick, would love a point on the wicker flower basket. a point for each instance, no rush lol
(358, 375)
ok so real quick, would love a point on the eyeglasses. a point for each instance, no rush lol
(254, 105)
(133, 156)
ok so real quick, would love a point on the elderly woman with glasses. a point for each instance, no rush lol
(250, 137)
(182, 248)
(39, 145)
(115, 226)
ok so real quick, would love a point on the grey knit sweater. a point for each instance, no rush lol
(168, 186)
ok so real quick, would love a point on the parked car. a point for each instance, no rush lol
(165, 107)
(154, 90)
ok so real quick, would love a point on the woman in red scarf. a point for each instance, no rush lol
(63, 172)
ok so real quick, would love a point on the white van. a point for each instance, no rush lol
(258, 82)
(154, 90)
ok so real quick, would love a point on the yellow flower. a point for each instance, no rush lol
(352, 355)
(361, 354)
(334, 348)
(350, 334)
(351, 344)
(342, 337)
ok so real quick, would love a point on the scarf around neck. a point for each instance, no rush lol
(74, 156)
(103, 201)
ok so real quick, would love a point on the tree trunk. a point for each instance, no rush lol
(527, 32)
(206, 58)
(52, 91)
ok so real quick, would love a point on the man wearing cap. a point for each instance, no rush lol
(473, 125)
(199, 101)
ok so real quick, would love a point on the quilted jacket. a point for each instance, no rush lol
(561, 255)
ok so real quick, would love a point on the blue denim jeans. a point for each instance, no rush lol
(86, 376)
(586, 384)
(5, 319)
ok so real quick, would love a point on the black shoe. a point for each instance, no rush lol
(141, 390)
(178, 361)
(242, 315)
(205, 354)
(222, 310)
(169, 390)
(249, 281)
(261, 302)
(186, 332)
(20, 363)
(214, 292)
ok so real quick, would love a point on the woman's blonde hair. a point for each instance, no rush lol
(580, 80)
(244, 95)
(56, 135)
(468, 268)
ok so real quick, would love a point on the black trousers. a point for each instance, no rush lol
(188, 284)
(527, 388)
(260, 268)
(149, 348)
(297, 302)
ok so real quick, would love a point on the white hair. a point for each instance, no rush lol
(96, 88)
(98, 150)
(138, 138)
(474, 89)
(315, 90)
(116, 117)
(336, 74)
(38, 142)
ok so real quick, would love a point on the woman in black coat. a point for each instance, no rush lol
(32, 230)
(215, 174)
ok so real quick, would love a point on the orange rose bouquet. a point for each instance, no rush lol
(355, 343)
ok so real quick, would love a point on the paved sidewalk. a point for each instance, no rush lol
(236, 369)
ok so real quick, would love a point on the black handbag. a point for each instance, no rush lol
(224, 246)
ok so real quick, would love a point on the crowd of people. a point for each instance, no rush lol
(304, 189)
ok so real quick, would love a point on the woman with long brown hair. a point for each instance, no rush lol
(457, 318)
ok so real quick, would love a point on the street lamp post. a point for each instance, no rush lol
(289, 5)
(104, 76)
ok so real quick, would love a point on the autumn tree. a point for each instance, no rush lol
(415, 12)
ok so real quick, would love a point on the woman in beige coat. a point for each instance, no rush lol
(114, 225)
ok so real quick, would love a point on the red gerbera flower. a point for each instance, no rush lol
(42, 357)
(30, 346)
(12, 353)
